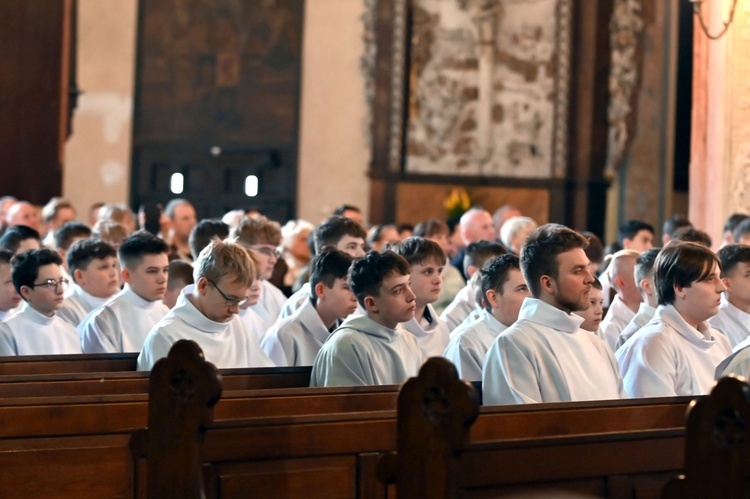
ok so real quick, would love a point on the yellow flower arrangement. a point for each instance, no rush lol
(457, 202)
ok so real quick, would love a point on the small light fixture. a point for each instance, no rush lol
(177, 183)
(697, 11)
(251, 186)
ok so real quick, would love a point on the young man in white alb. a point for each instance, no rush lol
(733, 318)
(545, 356)
(121, 324)
(426, 261)
(370, 349)
(296, 340)
(206, 312)
(262, 238)
(96, 276)
(644, 279)
(677, 352)
(504, 290)
(36, 329)
(627, 300)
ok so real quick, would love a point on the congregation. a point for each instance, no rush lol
(536, 313)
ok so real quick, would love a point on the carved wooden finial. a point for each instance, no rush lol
(183, 389)
(435, 411)
(717, 450)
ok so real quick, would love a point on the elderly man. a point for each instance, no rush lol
(475, 225)
(182, 215)
(23, 213)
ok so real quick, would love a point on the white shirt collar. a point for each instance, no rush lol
(185, 309)
(539, 312)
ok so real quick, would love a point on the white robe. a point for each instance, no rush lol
(469, 345)
(296, 340)
(460, 308)
(362, 352)
(733, 322)
(269, 304)
(617, 318)
(642, 317)
(30, 333)
(293, 302)
(224, 344)
(668, 357)
(7, 314)
(738, 363)
(254, 323)
(120, 325)
(77, 306)
(432, 336)
(545, 356)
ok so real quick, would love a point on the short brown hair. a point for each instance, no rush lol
(220, 259)
(681, 264)
(539, 254)
(257, 230)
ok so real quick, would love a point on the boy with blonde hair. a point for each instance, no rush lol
(206, 312)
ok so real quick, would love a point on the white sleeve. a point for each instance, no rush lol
(100, 333)
(648, 367)
(7, 341)
(276, 351)
(155, 347)
(466, 359)
(508, 374)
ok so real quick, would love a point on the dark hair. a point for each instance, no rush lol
(741, 229)
(340, 209)
(367, 274)
(681, 264)
(138, 245)
(333, 229)
(629, 229)
(429, 228)
(733, 221)
(24, 268)
(597, 284)
(732, 254)
(203, 232)
(494, 274)
(179, 270)
(644, 264)
(82, 252)
(480, 252)
(151, 215)
(5, 256)
(15, 235)
(539, 254)
(692, 235)
(418, 250)
(673, 223)
(65, 234)
(377, 230)
(595, 249)
(327, 266)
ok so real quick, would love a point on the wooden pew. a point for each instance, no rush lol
(77, 363)
(115, 383)
(609, 449)
(717, 459)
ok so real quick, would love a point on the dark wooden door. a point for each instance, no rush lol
(35, 48)
(217, 100)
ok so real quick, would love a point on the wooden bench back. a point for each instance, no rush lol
(73, 363)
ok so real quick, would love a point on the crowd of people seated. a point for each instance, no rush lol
(536, 313)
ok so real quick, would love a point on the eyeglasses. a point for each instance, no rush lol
(52, 284)
(230, 302)
(266, 250)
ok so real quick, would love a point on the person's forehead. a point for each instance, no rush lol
(49, 271)
(347, 239)
(573, 257)
(394, 279)
(428, 262)
(184, 209)
(154, 260)
(644, 233)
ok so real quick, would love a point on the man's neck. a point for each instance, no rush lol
(419, 312)
(379, 319)
(745, 307)
(632, 303)
(328, 318)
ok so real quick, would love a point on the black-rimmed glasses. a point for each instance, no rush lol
(53, 284)
(230, 302)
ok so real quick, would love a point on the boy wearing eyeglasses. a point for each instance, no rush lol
(96, 274)
(121, 325)
(296, 340)
(262, 238)
(206, 312)
(37, 329)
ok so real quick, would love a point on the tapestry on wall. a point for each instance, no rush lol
(488, 84)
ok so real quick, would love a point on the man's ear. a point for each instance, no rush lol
(320, 291)
(492, 297)
(679, 291)
(77, 275)
(126, 275)
(370, 304)
(548, 284)
(726, 283)
(25, 292)
(201, 285)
